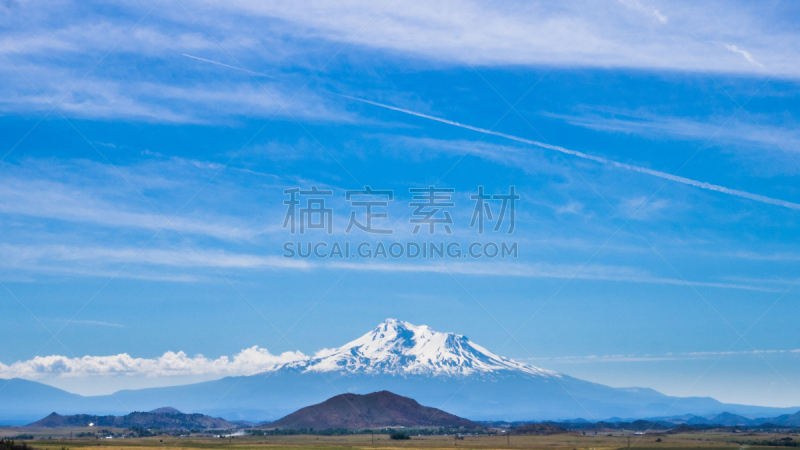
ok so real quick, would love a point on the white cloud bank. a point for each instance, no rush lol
(247, 362)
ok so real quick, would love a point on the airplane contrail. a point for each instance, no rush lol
(230, 67)
(656, 173)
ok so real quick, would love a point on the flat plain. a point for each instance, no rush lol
(55, 439)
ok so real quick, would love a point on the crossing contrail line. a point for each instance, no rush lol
(655, 173)
(226, 65)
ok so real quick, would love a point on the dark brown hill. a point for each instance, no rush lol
(163, 421)
(375, 410)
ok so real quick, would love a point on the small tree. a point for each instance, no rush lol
(399, 435)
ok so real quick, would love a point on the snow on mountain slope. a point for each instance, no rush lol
(399, 348)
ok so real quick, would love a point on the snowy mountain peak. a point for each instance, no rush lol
(399, 348)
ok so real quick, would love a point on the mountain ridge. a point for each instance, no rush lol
(161, 420)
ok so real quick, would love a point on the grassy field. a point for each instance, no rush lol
(55, 439)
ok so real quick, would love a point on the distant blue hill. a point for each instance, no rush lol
(272, 395)
(440, 370)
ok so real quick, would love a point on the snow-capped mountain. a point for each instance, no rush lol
(443, 370)
(400, 348)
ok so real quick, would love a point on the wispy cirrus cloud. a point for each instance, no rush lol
(757, 256)
(144, 263)
(18, 255)
(744, 53)
(546, 270)
(638, 6)
(99, 323)
(594, 34)
(680, 356)
(53, 48)
(154, 101)
(652, 125)
(55, 200)
(50, 57)
(642, 208)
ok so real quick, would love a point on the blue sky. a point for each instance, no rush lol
(145, 147)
